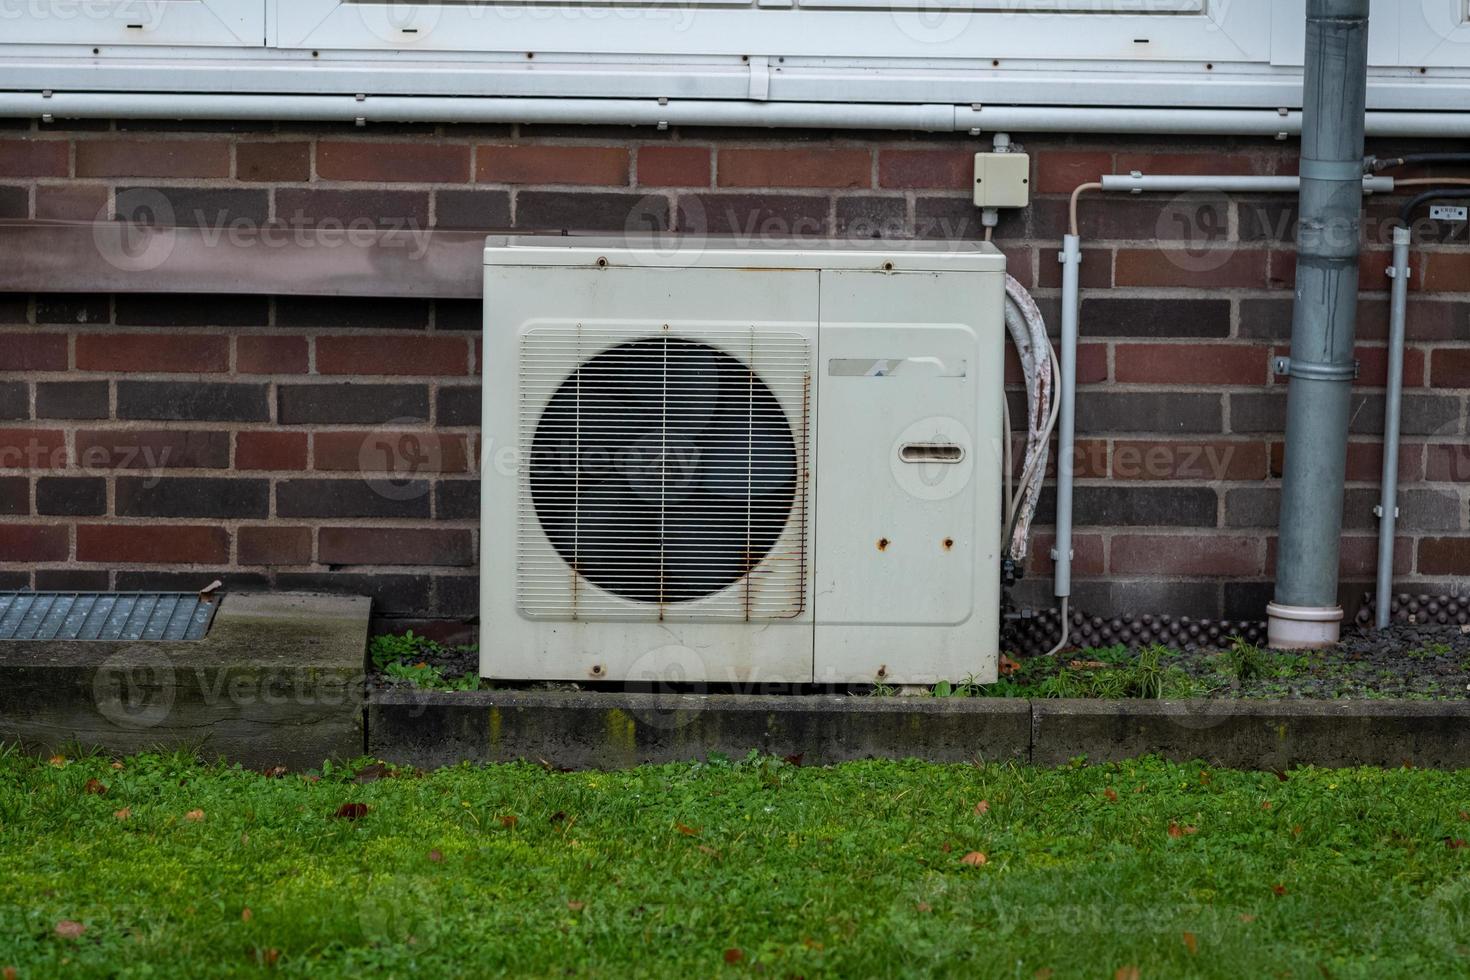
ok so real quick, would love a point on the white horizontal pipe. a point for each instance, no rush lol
(649, 112)
(1179, 184)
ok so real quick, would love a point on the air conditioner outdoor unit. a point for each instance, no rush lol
(711, 462)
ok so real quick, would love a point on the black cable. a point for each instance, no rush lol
(1389, 163)
(1407, 213)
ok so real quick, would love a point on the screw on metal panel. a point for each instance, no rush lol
(882, 544)
(948, 543)
(597, 670)
(883, 670)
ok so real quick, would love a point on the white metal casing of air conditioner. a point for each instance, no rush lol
(886, 361)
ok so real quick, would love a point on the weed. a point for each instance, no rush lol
(1432, 650)
(405, 658)
(1244, 661)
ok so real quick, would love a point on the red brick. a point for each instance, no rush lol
(1450, 368)
(1444, 556)
(274, 546)
(1097, 269)
(1190, 364)
(34, 158)
(794, 168)
(1204, 462)
(382, 451)
(674, 166)
(605, 166)
(1446, 272)
(270, 355)
(1373, 366)
(430, 163)
(1282, 270)
(32, 449)
(1447, 462)
(33, 352)
(1205, 163)
(1357, 556)
(153, 158)
(273, 162)
(146, 449)
(948, 169)
(270, 451)
(1204, 555)
(1365, 462)
(1062, 172)
(33, 542)
(1223, 268)
(1087, 555)
(153, 544)
(394, 546)
(154, 353)
(72, 202)
(417, 355)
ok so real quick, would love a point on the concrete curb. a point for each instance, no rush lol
(278, 681)
(606, 731)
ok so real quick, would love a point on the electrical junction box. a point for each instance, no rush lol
(741, 463)
(1002, 180)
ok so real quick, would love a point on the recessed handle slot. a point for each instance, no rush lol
(931, 452)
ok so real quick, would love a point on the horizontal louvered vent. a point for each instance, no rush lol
(665, 476)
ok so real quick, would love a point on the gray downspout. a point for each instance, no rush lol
(1306, 613)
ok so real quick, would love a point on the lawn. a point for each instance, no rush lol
(159, 866)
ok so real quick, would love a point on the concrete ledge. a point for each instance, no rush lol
(1256, 734)
(607, 731)
(277, 682)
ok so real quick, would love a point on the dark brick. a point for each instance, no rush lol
(1247, 600)
(73, 309)
(14, 308)
(14, 400)
(1423, 415)
(871, 217)
(273, 162)
(274, 545)
(457, 596)
(188, 496)
(15, 202)
(71, 400)
(72, 580)
(759, 217)
(1427, 510)
(376, 313)
(190, 581)
(1115, 412)
(350, 404)
(392, 595)
(459, 314)
(458, 405)
(1128, 506)
(418, 161)
(394, 546)
(1268, 220)
(457, 500)
(1253, 507)
(352, 498)
(951, 219)
(392, 210)
(191, 310)
(71, 496)
(15, 496)
(135, 449)
(1159, 597)
(1258, 412)
(192, 207)
(204, 401)
(1110, 317)
(1266, 319)
(480, 210)
(1189, 221)
(556, 211)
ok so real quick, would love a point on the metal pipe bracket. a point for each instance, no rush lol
(1314, 371)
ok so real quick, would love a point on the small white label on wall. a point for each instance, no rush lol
(1444, 212)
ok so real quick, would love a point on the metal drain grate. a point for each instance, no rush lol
(104, 616)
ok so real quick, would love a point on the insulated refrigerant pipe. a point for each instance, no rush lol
(1388, 504)
(933, 118)
(1306, 613)
(1071, 259)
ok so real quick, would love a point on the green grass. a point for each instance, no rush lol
(731, 869)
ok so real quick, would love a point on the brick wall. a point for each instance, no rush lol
(161, 441)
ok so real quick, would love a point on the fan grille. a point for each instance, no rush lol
(666, 472)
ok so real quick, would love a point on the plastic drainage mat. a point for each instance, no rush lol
(104, 616)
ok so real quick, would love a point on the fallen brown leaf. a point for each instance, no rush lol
(795, 759)
(1126, 973)
(67, 929)
(1175, 830)
(9, 973)
(352, 811)
(1008, 666)
(811, 943)
(709, 850)
(1265, 804)
(1045, 973)
(246, 915)
(686, 830)
(1283, 777)
(270, 956)
(274, 772)
(1464, 816)
(982, 808)
(1191, 943)
(95, 787)
(1454, 844)
(436, 856)
(122, 814)
(58, 760)
(733, 956)
(372, 773)
(924, 907)
(194, 816)
(508, 820)
(1278, 890)
(1111, 795)
(1247, 918)
(576, 906)
(975, 859)
(117, 766)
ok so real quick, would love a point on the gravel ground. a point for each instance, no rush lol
(1413, 662)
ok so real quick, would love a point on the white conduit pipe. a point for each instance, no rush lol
(1137, 183)
(1388, 505)
(935, 118)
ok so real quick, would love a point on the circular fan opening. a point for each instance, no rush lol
(663, 470)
